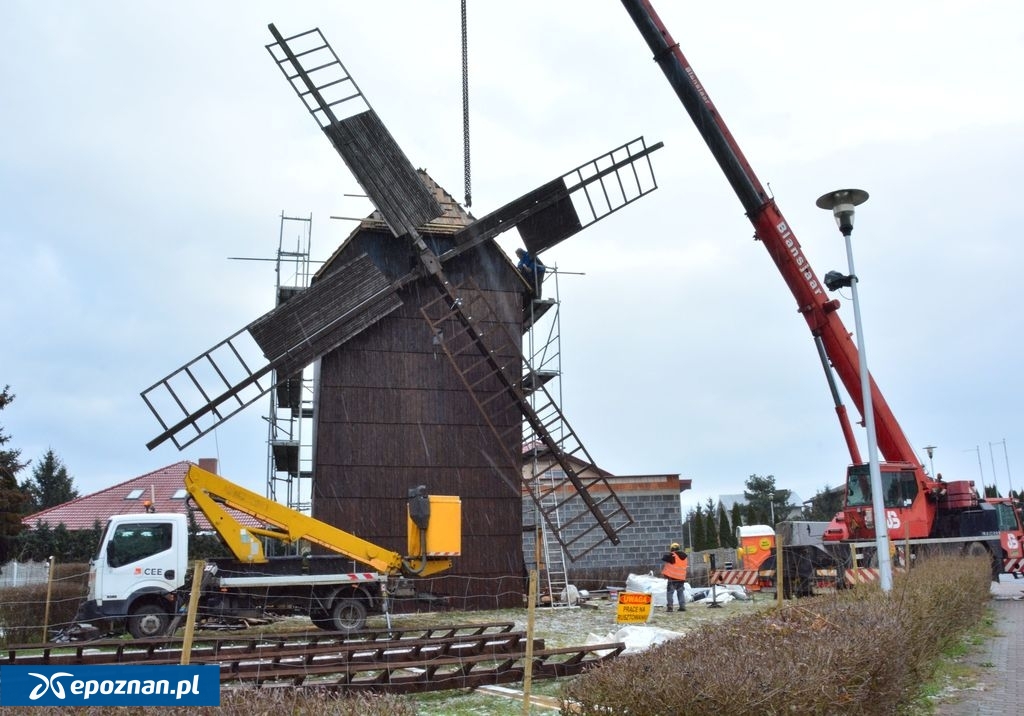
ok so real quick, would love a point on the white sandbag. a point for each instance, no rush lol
(720, 595)
(738, 591)
(648, 584)
(637, 638)
(656, 587)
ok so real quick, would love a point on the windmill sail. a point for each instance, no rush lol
(372, 155)
(553, 212)
(236, 372)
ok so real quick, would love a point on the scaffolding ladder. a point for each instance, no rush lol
(290, 417)
(543, 349)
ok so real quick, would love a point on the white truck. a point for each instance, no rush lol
(140, 573)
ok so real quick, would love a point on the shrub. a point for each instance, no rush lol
(254, 702)
(857, 652)
(23, 609)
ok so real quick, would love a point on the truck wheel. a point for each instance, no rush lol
(348, 615)
(321, 620)
(148, 620)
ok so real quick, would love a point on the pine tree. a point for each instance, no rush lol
(737, 520)
(768, 501)
(688, 531)
(725, 534)
(752, 516)
(824, 505)
(50, 484)
(700, 541)
(12, 498)
(710, 528)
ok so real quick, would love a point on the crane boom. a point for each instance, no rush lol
(771, 228)
(917, 507)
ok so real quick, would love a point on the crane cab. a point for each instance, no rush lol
(909, 503)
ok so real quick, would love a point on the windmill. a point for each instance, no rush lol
(220, 382)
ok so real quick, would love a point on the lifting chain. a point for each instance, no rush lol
(465, 107)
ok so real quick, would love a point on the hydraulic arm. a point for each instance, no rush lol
(213, 494)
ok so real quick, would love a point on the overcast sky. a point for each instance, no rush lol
(144, 143)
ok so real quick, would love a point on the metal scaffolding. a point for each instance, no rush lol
(290, 417)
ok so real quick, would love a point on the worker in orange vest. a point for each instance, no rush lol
(674, 570)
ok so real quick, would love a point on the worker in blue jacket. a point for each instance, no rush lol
(532, 270)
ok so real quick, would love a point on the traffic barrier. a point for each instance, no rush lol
(861, 575)
(1013, 566)
(745, 577)
(866, 575)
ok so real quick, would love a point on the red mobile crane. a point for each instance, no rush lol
(918, 507)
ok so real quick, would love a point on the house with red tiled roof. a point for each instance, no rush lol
(163, 488)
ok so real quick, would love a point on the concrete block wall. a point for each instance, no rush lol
(653, 501)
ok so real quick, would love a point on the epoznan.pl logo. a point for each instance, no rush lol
(121, 685)
(49, 682)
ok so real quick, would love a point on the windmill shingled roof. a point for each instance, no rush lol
(451, 221)
(159, 486)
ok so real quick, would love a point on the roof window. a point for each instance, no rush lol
(135, 494)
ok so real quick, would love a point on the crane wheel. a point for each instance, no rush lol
(348, 615)
(976, 549)
(979, 549)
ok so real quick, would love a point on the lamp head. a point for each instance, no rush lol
(842, 203)
(835, 280)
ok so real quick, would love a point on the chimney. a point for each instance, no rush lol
(209, 464)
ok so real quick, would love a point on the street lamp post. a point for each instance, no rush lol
(930, 449)
(842, 204)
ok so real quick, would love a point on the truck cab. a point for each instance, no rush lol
(136, 571)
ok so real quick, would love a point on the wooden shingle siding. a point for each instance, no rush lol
(392, 413)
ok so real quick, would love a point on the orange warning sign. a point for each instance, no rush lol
(633, 608)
